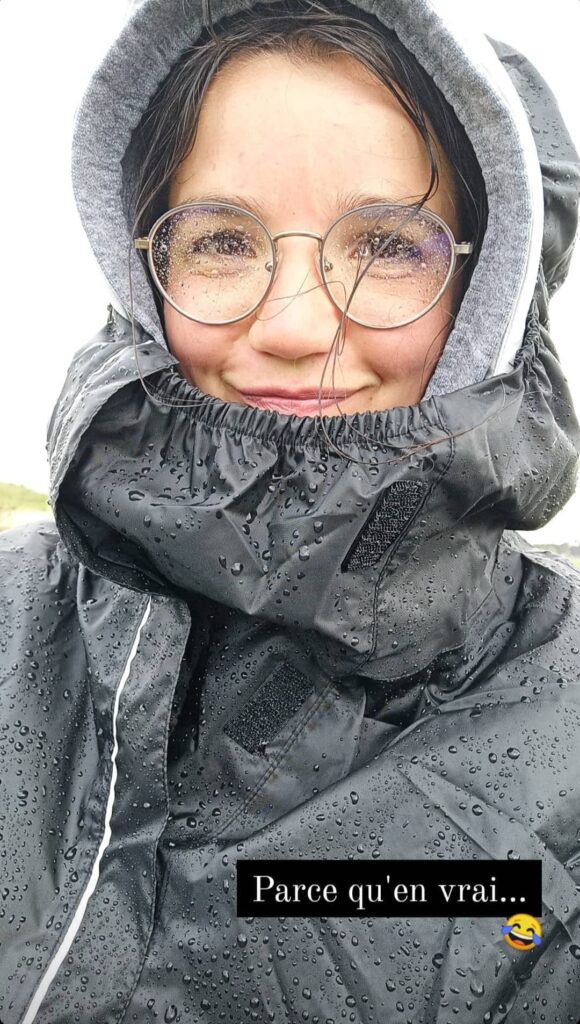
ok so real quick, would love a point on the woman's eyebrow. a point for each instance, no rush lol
(231, 199)
(344, 202)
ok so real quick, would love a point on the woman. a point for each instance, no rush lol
(285, 614)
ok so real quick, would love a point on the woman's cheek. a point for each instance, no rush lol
(401, 353)
(200, 348)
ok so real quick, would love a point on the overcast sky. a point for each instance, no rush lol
(53, 297)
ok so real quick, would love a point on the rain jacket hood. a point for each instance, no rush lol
(245, 641)
(258, 510)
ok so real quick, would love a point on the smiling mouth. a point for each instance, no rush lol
(300, 403)
(521, 940)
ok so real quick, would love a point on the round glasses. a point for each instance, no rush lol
(382, 265)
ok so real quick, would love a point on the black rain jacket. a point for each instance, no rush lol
(238, 643)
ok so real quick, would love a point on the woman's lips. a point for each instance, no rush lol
(303, 404)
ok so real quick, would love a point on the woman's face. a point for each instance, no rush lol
(295, 139)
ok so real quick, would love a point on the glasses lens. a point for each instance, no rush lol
(399, 261)
(211, 262)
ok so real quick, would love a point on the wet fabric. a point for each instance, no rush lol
(243, 641)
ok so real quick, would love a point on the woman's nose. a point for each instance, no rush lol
(297, 318)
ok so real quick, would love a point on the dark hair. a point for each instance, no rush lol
(304, 30)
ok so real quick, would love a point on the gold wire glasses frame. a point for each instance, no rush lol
(456, 249)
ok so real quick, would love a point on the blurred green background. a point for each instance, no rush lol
(19, 505)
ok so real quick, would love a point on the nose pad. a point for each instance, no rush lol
(305, 272)
(296, 293)
(327, 265)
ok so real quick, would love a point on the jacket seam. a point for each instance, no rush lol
(64, 946)
(406, 530)
(212, 838)
(155, 896)
(67, 416)
(298, 728)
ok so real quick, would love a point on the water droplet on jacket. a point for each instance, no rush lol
(136, 495)
(513, 752)
(237, 569)
(575, 951)
(477, 987)
(304, 553)
(477, 809)
(437, 960)
(354, 797)
(170, 1014)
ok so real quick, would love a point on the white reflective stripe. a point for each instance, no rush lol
(63, 949)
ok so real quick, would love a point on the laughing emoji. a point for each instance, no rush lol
(522, 931)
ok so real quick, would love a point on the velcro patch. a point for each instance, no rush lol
(278, 698)
(391, 515)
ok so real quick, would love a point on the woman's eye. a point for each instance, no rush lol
(221, 243)
(394, 247)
